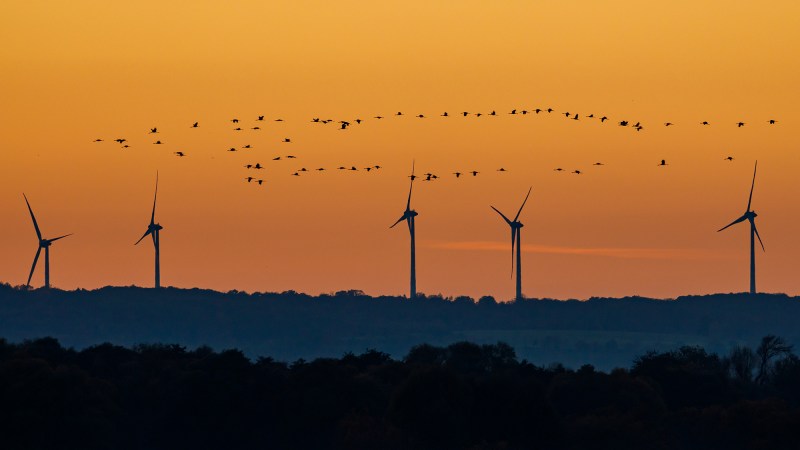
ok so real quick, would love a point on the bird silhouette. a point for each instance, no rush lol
(247, 146)
(120, 140)
(248, 166)
(566, 114)
(667, 124)
(537, 110)
(195, 125)
(295, 174)
(465, 114)
(278, 120)
(232, 149)
(379, 117)
(260, 118)
(501, 169)
(575, 117)
(623, 123)
(157, 142)
(603, 119)
(237, 129)
(740, 124)
(704, 123)
(457, 174)
(398, 113)
(291, 156)
(358, 121)
(277, 158)
(558, 169)
(153, 130)
(255, 128)
(259, 182)
(549, 110)
(513, 111)
(320, 169)
(180, 154)
(772, 121)
(663, 163)
(728, 158)
(577, 172)
(258, 166)
(493, 113)
(420, 116)
(474, 173)
(598, 164)
(98, 140)
(287, 140)
(249, 179)
(235, 120)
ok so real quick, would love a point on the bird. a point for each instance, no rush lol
(502, 169)
(740, 124)
(98, 140)
(465, 114)
(247, 146)
(157, 142)
(278, 120)
(474, 173)
(235, 120)
(413, 177)
(320, 169)
(379, 117)
(663, 163)
(603, 119)
(638, 127)
(248, 166)
(258, 166)
(232, 149)
(260, 118)
(558, 169)
(353, 168)
(344, 125)
(342, 168)
(367, 168)
(566, 114)
(667, 124)
(249, 179)
(120, 140)
(590, 116)
(457, 174)
(728, 158)
(420, 116)
(237, 129)
(180, 154)
(537, 110)
(598, 164)
(513, 111)
(577, 172)
(399, 113)
(259, 182)
(772, 121)
(623, 123)
(493, 113)
(575, 117)
(295, 174)
(549, 110)
(287, 140)
(125, 146)
(704, 123)
(153, 130)
(195, 125)
(303, 169)
(255, 128)
(378, 167)
(291, 156)
(277, 158)
(524, 111)
(478, 114)
(315, 120)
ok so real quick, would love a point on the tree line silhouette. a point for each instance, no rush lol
(605, 332)
(462, 396)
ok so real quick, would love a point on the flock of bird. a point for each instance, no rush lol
(344, 125)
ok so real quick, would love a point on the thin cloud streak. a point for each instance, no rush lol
(609, 252)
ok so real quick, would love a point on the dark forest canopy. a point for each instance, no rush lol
(605, 332)
(462, 396)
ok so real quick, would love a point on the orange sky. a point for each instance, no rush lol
(71, 72)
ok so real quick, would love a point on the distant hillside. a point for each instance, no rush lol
(605, 332)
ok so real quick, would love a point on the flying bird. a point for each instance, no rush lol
(740, 124)
(153, 130)
(663, 163)
(157, 142)
(728, 158)
(195, 125)
(98, 140)
(287, 140)
(457, 174)
(474, 173)
(180, 154)
(260, 118)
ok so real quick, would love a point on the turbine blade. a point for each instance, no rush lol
(398, 221)
(740, 219)
(513, 242)
(408, 205)
(153, 216)
(143, 236)
(523, 204)
(409, 226)
(35, 258)
(60, 237)
(501, 214)
(749, 200)
(753, 223)
(35, 225)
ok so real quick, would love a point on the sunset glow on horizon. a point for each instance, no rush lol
(71, 73)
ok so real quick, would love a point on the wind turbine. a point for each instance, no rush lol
(409, 215)
(43, 244)
(750, 215)
(153, 230)
(516, 239)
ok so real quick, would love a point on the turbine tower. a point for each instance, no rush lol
(409, 215)
(750, 216)
(153, 229)
(43, 244)
(516, 240)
